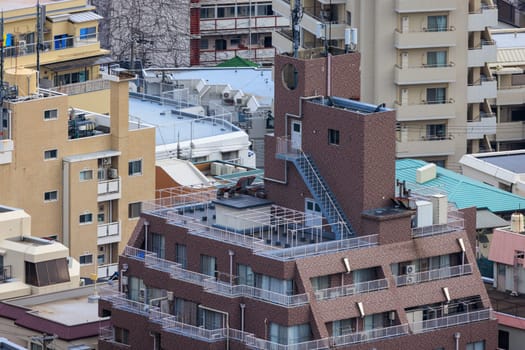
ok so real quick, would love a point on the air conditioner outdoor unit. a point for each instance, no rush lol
(112, 173)
(411, 269)
(226, 95)
(411, 279)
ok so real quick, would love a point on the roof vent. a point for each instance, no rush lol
(426, 173)
(516, 223)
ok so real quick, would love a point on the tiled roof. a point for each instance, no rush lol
(462, 190)
(237, 62)
(513, 55)
(85, 17)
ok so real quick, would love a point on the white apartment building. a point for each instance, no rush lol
(426, 59)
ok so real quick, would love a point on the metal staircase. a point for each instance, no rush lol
(324, 197)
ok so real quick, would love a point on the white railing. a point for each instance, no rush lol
(83, 87)
(373, 334)
(109, 186)
(451, 320)
(432, 275)
(363, 287)
(107, 270)
(109, 229)
(450, 226)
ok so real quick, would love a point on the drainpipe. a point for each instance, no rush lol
(457, 335)
(243, 306)
(146, 227)
(231, 253)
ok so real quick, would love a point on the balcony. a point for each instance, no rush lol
(334, 29)
(342, 291)
(482, 90)
(7, 147)
(6, 273)
(411, 6)
(426, 147)
(485, 125)
(109, 233)
(281, 7)
(425, 74)
(511, 95)
(487, 16)
(109, 190)
(455, 222)
(82, 88)
(425, 39)
(451, 321)
(258, 54)
(512, 131)
(478, 56)
(282, 40)
(106, 270)
(241, 24)
(426, 111)
(433, 275)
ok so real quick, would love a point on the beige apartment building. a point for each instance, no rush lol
(426, 59)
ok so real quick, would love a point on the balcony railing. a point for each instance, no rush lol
(451, 320)
(170, 323)
(6, 273)
(432, 275)
(450, 226)
(213, 285)
(342, 291)
(82, 88)
(109, 186)
(109, 229)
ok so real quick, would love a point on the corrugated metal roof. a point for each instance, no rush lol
(462, 190)
(84, 17)
(514, 55)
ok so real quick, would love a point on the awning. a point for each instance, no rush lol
(487, 219)
(83, 62)
(84, 17)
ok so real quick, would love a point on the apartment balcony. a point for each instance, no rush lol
(451, 320)
(241, 24)
(412, 6)
(281, 7)
(425, 74)
(485, 125)
(511, 95)
(109, 190)
(109, 233)
(484, 89)
(487, 16)
(479, 56)
(282, 40)
(7, 147)
(425, 39)
(82, 88)
(334, 29)
(433, 275)
(106, 270)
(342, 291)
(426, 111)
(512, 131)
(455, 222)
(257, 54)
(426, 147)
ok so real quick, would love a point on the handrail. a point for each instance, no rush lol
(450, 320)
(432, 275)
(351, 289)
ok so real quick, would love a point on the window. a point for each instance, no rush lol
(437, 59)
(135, 167)
(88, 33)
(246, 276)
(207, 12)
(46, 273)
(264, 10)
(232, 155)
(436, 131)
(203, 44)
(86, 218)
(121, 335)
(290, 335)
(51, 154)
(234, 43)
(156, 244)
(333, 137)
(437, 23)
(208, 265)
(86, 175)
(436, 95)
(180, 255)
(86, 259)
(220, 44)
(50, 114)
(50, 196)
(228, 11)
(244, 11)
(479, 345)
(134, 210)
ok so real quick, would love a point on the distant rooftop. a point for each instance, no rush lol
(509, 38)
(464, 191)
(512, 162)
(174, 125)
(351, 105)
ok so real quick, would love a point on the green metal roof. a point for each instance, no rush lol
(462, 190)
(237, 62)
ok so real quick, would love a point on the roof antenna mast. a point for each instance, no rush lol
(297, 14)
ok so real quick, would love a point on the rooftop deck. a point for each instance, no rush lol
(505, 303)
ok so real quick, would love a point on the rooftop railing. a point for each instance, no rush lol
(432, 275)
(351, 289)
(451, 320)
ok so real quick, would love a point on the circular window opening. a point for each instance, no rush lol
(289, 76)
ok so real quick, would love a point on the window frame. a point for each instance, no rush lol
(131, 167)
(85, 171)
(50, 116)
(132, 209)
(51, 154)
(334, 137)
(85, 215)
(90, 255)
(49, 195)
(90, 33)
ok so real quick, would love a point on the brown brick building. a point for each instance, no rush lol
(325, 261)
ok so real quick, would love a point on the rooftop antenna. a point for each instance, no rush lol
(297, 14)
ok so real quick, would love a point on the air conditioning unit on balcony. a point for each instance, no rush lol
(411, 269)
(411, 279)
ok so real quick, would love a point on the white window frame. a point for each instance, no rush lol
(54, 116)
(82, 179)
(49, 151)
(85, 254)
(130, 211)
(51, 199)
(85, 222)
(130, 164)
